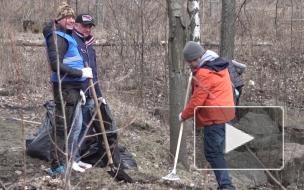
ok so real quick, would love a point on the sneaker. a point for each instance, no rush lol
(77, 168)
(84, 165)
(56, 171)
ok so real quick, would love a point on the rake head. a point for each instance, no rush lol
(171, 176)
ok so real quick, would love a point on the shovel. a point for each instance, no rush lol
(172, 176)
(115, 172)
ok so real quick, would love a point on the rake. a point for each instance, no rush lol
(117, 173)
(172, 176)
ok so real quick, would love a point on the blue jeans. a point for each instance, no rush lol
(73, 140)
(214, 142)
(87, 109)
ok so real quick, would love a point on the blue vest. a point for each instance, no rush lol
(72, 58)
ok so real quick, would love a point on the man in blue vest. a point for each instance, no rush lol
(66, 63)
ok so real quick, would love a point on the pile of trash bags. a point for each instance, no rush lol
(91, 150)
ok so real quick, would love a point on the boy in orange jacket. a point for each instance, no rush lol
(211, 86)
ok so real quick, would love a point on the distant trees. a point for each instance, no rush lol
(177, 69)
(177, 77)
(227, 29)
(194, 26)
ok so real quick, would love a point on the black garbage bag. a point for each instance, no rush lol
(39, 146)
(91, 150)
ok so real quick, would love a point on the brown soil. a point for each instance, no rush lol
(146, 139)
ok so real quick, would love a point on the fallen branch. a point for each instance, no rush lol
(97, 134)
(267, 171)
(2, 185)
(27, 121)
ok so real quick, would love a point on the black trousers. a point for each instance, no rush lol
(71, 95)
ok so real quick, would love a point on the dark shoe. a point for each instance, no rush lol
(56, 171)
(227, 187)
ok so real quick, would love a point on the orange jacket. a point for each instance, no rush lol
(210, 88)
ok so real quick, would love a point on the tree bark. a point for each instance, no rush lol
(177, 76)
(193, 11)
(227, 29)
(194, 27)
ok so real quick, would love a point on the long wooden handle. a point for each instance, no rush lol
(182, 125)
(99, 116)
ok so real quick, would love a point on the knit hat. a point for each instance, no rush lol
(192, 51)
(63, 11)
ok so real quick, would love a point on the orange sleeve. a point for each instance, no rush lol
(200, 93)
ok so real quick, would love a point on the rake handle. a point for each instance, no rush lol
(181, 126)
(100, 120)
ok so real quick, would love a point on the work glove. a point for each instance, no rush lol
(87, 72)
(236, 92)
(180, 117)
(83, 98)
(102, 100)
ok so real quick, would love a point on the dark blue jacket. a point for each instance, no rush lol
(89, 57)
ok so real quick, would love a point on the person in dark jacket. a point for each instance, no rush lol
(82, 33)
(236, 69)
(67, 76)
(211, 86)
(84, 25)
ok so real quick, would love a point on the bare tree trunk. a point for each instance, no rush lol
(193, 11)
(227, 29)
(291, 27)
(76, 7)
(97, 5)
(142, 61)
(276, 19)
(177, 77)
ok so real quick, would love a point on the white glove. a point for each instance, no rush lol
(180, 117)
(83, 98)
(87, 72)
(102, 99)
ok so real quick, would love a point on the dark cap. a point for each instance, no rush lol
(85, 19)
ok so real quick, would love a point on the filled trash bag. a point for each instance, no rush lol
(91, 150)
(39, 145)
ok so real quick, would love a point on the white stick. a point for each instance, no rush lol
(181, 126)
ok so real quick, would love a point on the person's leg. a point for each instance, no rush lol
(85, 120)
(73, 142)
(87, 110)
(214, 139)
(70, 98)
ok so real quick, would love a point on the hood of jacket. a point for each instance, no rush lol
(217, 65)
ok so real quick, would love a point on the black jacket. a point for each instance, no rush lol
(235, 77)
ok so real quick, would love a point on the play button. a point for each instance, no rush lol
(254, 141)
(235, 138)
